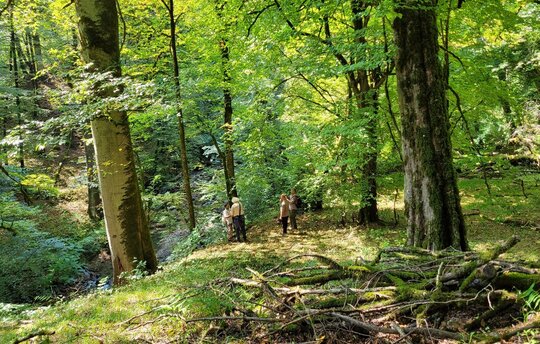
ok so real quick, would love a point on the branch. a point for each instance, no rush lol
(316, 103)
(32, 335)
(453, 55)
(124, 26)
(69, 4)
(6, 6)
(408, 330)
(257, 18)
(24, 192)
(531, 324)
(233, 318)
(166, 6)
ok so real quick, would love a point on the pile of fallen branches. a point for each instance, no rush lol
(405, 294)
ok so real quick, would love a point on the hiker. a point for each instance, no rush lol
(284, 212)
(293, 208)
(226, 219)
(237, 212)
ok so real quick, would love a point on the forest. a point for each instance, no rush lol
(269, 171)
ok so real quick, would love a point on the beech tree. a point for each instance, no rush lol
(432, 203)
(125, 221)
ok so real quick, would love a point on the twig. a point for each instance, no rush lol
(272, 320)
(331, 263)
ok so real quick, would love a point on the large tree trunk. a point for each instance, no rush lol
(125, 221)
(180, 115)
(432, 204)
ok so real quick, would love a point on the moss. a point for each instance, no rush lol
(319, 279)
(517, 280)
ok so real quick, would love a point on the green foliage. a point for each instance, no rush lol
(33, 264)
(531, 300)
(139, 272)
(199, 237)
(40, 185)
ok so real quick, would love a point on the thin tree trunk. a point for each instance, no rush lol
(432, 203)
(125, 221)
(365, 96)
(14, 66)
(230, 180)
(181, 129)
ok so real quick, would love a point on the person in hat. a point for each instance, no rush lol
(237, 212)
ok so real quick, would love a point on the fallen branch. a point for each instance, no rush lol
(506, 335)
(408, 330)
(33, 335)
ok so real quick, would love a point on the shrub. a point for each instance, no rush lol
(32, 263)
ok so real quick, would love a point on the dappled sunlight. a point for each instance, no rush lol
(317, 233)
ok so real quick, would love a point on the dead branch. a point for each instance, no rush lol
(408, 330)
(33, 335)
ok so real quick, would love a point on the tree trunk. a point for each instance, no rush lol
(180, 115)
(14, 67)
(94, 210)
(365, 96)
(432, 204)
(125, 221)
(230, 180)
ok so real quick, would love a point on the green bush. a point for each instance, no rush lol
(40, 185)
(32, 263)
(200, 237)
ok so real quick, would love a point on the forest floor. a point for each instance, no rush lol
(158, 308)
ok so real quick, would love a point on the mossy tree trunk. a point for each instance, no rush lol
(432, 204)
(125, 221)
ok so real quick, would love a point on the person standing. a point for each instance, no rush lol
(293, 208)
(284, 212)
(237, 212)
(226, 218)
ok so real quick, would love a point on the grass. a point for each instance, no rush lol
(105, 315)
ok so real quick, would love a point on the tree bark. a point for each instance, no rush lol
(125, 221)
(94, 210)
(366, 95)
(180, 115)
(432, 203)
(230, 180)
(14, 68)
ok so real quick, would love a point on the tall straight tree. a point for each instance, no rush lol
(14, 68)
(180, 114)
(228, 161)
(432, 204)
(125, 221)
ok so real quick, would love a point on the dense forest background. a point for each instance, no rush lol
(271, 95)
